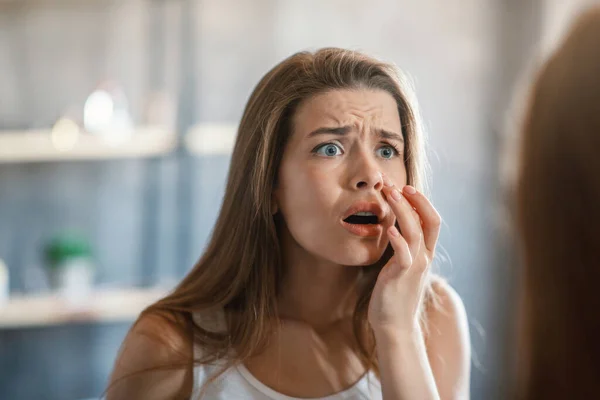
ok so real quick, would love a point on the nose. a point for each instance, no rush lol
(367, 175)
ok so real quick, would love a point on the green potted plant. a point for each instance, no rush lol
(70, 266)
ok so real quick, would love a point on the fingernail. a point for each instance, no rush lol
(387, 182)
(409, 190)
(396, 195)
(393, 231)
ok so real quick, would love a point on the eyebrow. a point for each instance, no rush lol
(344, 130)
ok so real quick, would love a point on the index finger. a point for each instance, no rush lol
(429, 216)
(405, 216)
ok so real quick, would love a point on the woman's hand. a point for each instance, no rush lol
(398, 293)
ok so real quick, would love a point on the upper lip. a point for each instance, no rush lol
(365, 206)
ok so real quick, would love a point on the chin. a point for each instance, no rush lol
(362, 257)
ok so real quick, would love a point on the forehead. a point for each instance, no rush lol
(348, 107)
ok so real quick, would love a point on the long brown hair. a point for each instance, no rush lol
(558, 205)
(241, 270)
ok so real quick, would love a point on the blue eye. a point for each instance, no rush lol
(329, 150)
(387, 152)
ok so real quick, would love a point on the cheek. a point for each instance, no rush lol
(397, 174)
(322, 185)
(308, 191)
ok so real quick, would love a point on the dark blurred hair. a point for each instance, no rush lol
(558, 205)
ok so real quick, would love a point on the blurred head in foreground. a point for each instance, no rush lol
(558, 206)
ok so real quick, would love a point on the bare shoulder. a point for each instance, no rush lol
(446, 307)
(155, 360)
(448, 341)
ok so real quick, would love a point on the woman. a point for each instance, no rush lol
(307, 289)
(558, 205)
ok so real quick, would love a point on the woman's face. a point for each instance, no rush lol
(330, 178)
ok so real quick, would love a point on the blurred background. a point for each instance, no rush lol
(117, 118)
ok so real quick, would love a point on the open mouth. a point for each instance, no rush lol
(362, 218)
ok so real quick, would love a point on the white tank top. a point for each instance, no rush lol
(237, 382)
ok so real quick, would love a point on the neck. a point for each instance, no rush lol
(315, 291)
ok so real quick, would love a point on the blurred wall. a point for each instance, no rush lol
(149, 219)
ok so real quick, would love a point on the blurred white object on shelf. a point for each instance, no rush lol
(4, 283)
(106, 113)
(65, 134)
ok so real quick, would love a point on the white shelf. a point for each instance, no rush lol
(109, 305)
(211, 139)
(36, 145)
